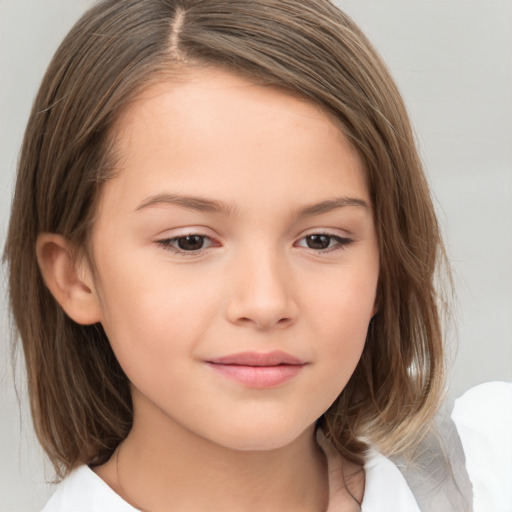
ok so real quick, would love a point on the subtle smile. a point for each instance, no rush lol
(258, 370)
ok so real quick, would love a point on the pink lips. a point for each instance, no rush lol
(258, 370)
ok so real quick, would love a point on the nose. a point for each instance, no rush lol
(261, 293)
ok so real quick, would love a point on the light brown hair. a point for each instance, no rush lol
(80, 397)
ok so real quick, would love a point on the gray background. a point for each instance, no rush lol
(453, 63)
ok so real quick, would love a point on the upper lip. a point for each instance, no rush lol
(273, 358)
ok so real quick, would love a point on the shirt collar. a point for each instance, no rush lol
(386, 489)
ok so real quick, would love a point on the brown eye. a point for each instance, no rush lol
(318, 242)
(193, 244)
(324, 242)
(190, 242)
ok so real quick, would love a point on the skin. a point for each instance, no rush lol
(200, 440)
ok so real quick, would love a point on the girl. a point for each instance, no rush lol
(228, 249)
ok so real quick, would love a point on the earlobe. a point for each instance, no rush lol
(69, 282)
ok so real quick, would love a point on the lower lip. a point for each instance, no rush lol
(258, 376)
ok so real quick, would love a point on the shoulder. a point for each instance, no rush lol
(468, 459)
(84, 491)
(483, 417)
(492, 398)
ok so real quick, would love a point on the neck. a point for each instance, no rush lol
(161, 463)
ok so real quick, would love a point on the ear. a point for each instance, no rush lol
(69, 281)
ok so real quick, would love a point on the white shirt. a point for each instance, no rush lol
(483, 417)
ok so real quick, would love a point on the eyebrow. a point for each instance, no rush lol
(331, 204)
(190, 202)
(212, 206)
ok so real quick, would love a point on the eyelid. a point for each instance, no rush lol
(332, 231)
(335, 233)
(166, 242)
(342, 240)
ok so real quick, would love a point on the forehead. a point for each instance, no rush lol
(220, 92)
(211, 129)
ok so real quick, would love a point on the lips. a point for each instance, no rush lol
(258, 370)
(274, 358)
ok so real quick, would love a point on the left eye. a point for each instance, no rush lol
(321, 242)
(187, 243)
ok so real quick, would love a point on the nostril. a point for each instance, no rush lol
(264, 323)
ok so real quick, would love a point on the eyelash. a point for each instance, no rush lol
(341, 242)
(169, 243)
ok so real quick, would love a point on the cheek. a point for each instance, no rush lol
(341, 315)
(148, 292)
(150, 316)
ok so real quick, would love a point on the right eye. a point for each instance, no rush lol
(192, 243)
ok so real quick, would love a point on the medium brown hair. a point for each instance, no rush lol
(80, 397)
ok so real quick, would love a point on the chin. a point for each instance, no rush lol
(262, 436)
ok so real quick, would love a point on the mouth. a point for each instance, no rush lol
(258, 370)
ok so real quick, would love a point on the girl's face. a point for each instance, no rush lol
(237, 260)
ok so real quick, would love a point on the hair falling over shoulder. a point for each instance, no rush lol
(80, 397)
